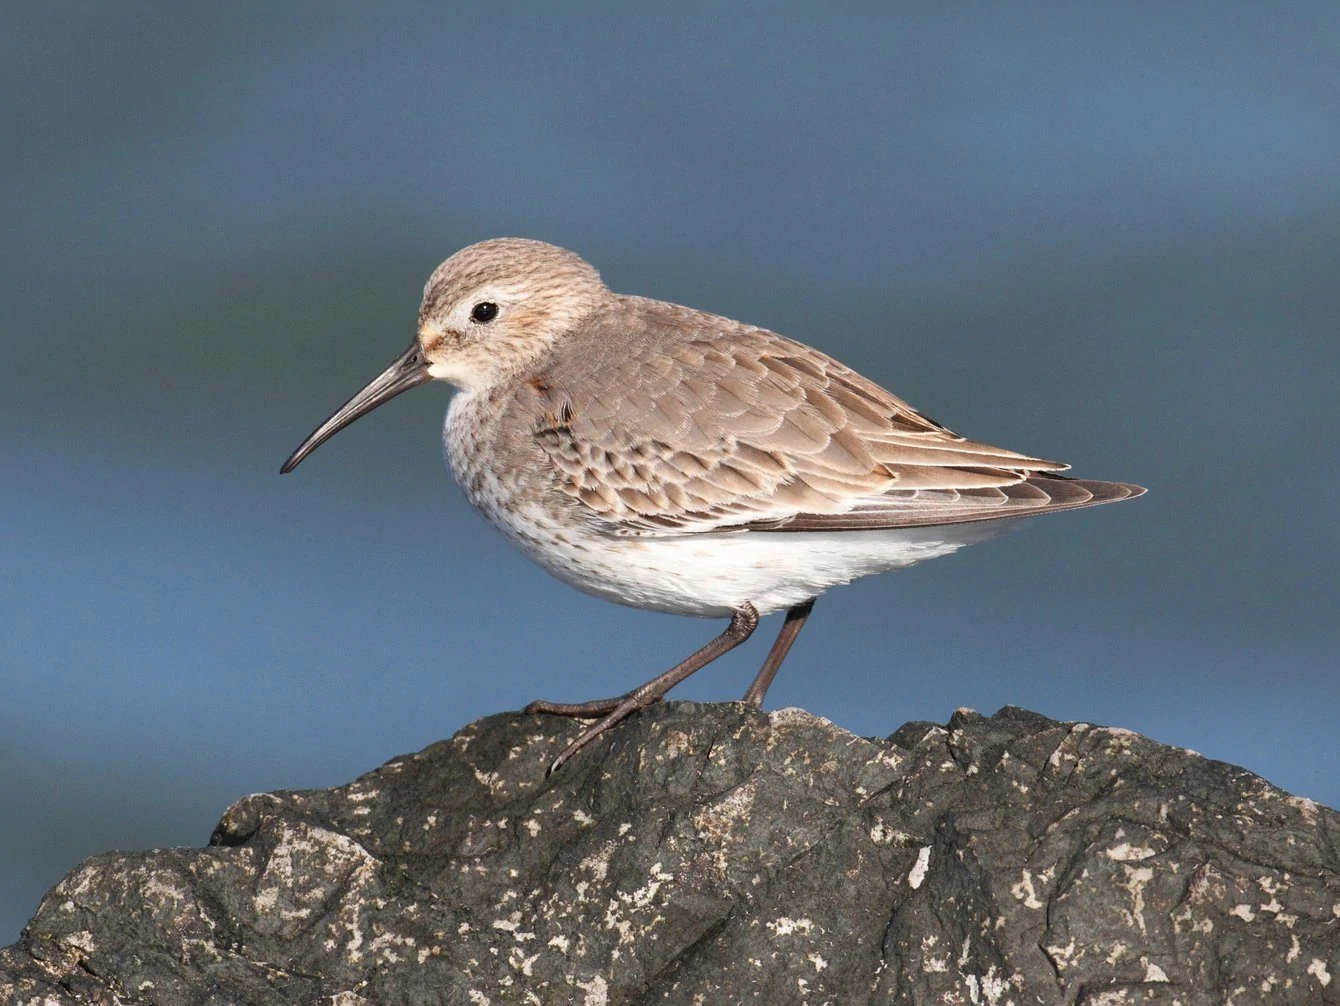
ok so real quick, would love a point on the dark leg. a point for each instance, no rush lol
(795, 621)
(742, 625)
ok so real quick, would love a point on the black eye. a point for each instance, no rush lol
(484, 312)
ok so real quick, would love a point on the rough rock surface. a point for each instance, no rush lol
(718, 854)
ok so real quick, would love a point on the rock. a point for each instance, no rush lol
(717, 854)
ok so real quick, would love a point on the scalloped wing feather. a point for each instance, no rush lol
(698, 423)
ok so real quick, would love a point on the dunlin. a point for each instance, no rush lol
(675, 460)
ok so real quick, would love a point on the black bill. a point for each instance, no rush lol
(409, 369)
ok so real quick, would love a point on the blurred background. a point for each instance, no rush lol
(1110, 236)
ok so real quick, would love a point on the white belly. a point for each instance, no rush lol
(711, 575)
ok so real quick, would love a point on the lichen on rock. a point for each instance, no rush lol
(719, 854)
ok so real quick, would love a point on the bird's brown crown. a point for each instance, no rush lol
(494, 307)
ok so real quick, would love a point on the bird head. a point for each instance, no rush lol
(491, 311)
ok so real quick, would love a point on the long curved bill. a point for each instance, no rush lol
(409, 369)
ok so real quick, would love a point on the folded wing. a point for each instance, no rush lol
(699, 424)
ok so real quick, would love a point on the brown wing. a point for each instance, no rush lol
(678, 421)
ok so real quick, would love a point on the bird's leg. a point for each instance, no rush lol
(795, 621)
(742, 625)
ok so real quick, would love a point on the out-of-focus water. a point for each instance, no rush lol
(1107, 236)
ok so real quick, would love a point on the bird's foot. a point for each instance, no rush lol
(742, 623)
(577, 710)
(613, 712)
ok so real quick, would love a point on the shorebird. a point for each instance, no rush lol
(675, 460)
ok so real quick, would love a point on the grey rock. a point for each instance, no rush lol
(717, 854)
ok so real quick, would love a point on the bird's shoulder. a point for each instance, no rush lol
(649, 353)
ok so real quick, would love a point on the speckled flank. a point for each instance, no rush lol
(722, 855)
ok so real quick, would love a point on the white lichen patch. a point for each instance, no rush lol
(720, 822)
(794, 716)
(644, 895)
(1125, 852)
(989, 988)
(329, 860)
(1024, 891)
(1137, 879)
(974, 989)
(928, 943)
(637, 901)
(518, 961)
(883, 834)
(615, 920)
(388, 947)
(886, 757)
(1062, 956)
(491, 781)
(786, 926)
(917, 874)
(597, 992)
(508, 925)
(81, 941)
(1185, 915)
(675, 745)
(1121, 735)
(598, 863)
(159, 889)
(1309, 809)
(1317, 969)
(1154, 973)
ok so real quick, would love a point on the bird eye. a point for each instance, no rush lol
(484, 312)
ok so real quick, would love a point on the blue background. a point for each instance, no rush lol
(1105, 234)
